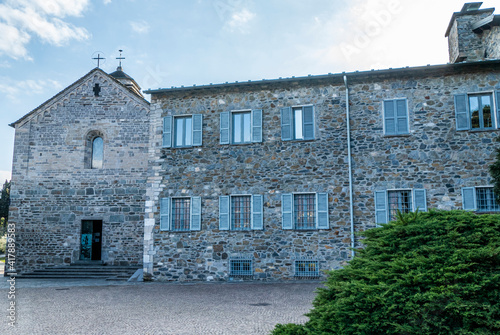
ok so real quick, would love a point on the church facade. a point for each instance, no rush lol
(259, 180)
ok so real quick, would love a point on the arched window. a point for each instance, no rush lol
(94, 150)
(97, 153)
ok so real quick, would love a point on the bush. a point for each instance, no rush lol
(3, 241)
(431, 273)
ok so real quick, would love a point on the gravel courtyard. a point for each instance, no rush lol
(99, 307)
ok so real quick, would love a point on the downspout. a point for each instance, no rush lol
(351, 195)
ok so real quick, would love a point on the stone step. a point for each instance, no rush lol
(78, 271)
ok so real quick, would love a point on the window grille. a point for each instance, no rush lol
(241, 267)
(485, 198)
(241, 211)
(307, 268)
(399, 200)
(180, 214)
(305, 211)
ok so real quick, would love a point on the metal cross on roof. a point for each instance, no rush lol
(98, 59)
(120, 58)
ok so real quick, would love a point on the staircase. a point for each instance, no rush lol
(85, 270)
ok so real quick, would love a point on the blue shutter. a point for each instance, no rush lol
(224, 212)
(461, 112)
(308, 127)
(389, 117)
(469, 198)
(195, 213)
(197, 130)
(402, 116)
(257, 125)
(287, 211)
(167, 132)
(224, 128)
(257, 217)
(419, 200)
(286, 124)
(380, 207)
(165, 214)
(322, 211)
(497, 94)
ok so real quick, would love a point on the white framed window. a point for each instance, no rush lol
(297, 123)
(303, 211)
(396, 120)
(182, 131)
(389, 202)
(180, 214)
(239, 127)
(480, 199)
(241, 212)
(477, 111)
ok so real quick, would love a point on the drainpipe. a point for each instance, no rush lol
(351, 195)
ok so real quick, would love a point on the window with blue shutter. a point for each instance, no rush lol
(396, 117)
(197, 130)
(287, 211)
(167, 132)
(180, 214)
(238, 127)
(461, 112)
(224, 212)
(497, 95)
(195, 213)
(419, 200)
(257, 212)
(297, 123)
(165, 214)
(380, 207)
(476, 111)
(322, 211)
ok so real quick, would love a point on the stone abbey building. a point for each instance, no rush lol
(262, 180)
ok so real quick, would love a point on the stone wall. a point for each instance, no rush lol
(491, 40)
(53, 189)
(433, 156)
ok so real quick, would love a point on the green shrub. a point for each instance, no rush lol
(431, 273)
(3, 241)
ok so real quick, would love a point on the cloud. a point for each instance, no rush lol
(106, 2)
(239, 21)
(20, 20)
(140, 27)
(15, 90)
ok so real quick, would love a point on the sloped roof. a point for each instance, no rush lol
(73, 86)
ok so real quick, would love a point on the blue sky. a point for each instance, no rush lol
(45, 45)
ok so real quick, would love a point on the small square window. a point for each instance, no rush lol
(241, 267)
(486, 200)
(306, 268)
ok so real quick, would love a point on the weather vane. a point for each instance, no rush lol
(99, 58)
(120, 58)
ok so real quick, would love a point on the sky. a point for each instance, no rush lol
(46, 45)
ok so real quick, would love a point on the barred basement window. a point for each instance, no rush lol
(306, 268)
(240, 267)
(399, 200)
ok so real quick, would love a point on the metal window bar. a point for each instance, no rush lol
(485, 198)
(181, 214)
(307, 268)
(399, 200)
(305, 211)
(241, 212)
(241, 267)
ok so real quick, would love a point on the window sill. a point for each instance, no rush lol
(398, 135)
(480, 130)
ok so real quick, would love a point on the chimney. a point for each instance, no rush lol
(466, 40)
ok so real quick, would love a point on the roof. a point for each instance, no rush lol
(70, 88)
(338, 77)
(466, 11)
(120, 74)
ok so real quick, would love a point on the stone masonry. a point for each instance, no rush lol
(53, 187)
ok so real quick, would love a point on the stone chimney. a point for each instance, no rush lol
(473, 34)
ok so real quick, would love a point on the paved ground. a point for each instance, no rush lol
(100, 307)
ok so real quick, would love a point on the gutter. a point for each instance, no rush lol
(351, 195)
